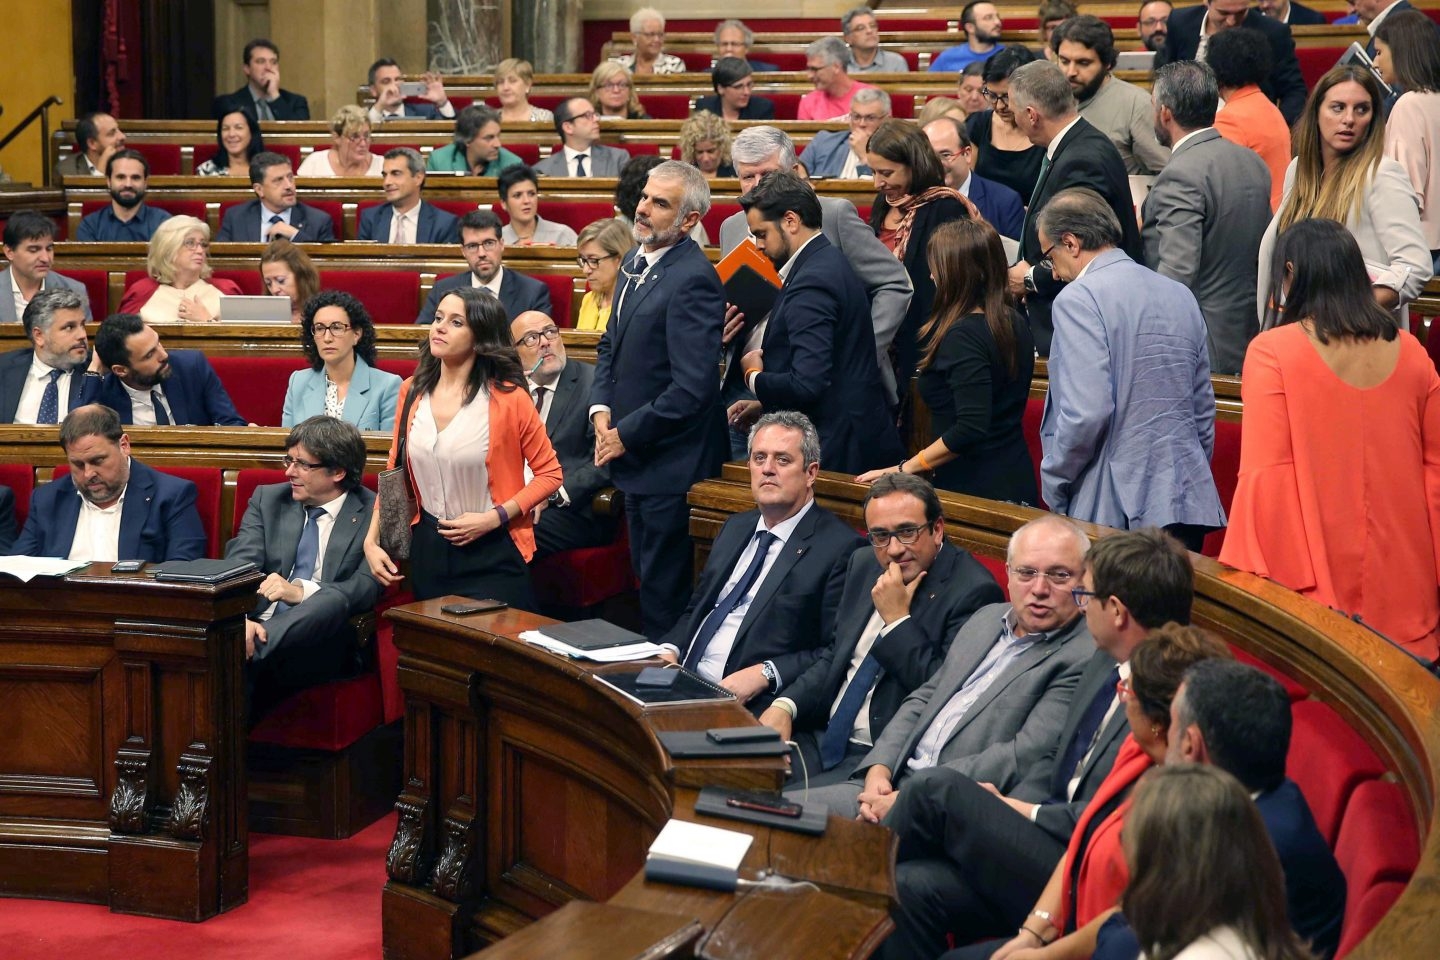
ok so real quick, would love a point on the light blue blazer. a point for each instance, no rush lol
(369, 403)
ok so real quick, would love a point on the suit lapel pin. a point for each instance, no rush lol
(799, 551)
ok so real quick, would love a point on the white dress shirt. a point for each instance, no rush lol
(570, 165)
(449, 465)
(38, 378)
(403, 225)
(20, 302)
(324, 526)
(97, 530)
(142, 411)
(875, 629)
(266, 213)
(493, 286)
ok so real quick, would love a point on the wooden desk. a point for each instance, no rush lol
(529, 784)
(122, 777)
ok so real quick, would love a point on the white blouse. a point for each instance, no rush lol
(448, 466)
(318, 165)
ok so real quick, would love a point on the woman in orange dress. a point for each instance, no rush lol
(1339, 489)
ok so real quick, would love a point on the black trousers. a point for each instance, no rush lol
(309, 644)
(570, 528)
(488, 568)
(663, 557)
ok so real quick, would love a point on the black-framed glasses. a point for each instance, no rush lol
(551, 333)
(290, 461)
(906, 534)
(593, 262)
(1058, 576)
(1046, 263)
(1081, 596)
(331, 329)
(994, 97)
(476, 247)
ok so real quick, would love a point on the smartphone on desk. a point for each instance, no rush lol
(472, 607)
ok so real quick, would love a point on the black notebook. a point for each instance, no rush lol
(591, 634)
(694, 743)
(688, 688)
(752, 293)
(201, 571)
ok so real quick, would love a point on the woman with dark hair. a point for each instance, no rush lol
(1407, 54)
(469, 430)
(1340, 173)
(975, 370)
(342, 382)
(1338, 467)
(1205, 881)
(1002, 152)
(237, 140)
(1240, 60)
(910, 203)
(733, 99)
(286, 271)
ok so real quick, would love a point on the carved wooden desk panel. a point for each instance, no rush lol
(121, 775)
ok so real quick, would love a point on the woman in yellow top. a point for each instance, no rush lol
(600, 245)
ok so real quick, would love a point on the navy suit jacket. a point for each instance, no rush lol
(820, 360)
(759, 108)
(7, 519)
(792, 613)
(518, 293)
(195, 394)
(434, 225)
(158, 520)
(1000, 205)
(242, 224)
(15, 367)
(287, 106)
(1302, 16)
(656, 368)
(1285, 85)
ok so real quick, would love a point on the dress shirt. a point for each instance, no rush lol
(543, 410)
(142, 411)
(1074, 782)
(403, 226)
(757, 335)
(623, 282)
(266, 213)
(1176, 145)
(1056, 140)
(886, 61)
(103, 226)
(1374, 25)
(28, 410)
(1006, 648)
(875, 629)
(97, 531)
(570, 156)
(712, 665)
(19, 299)
(324, 526)
(449, 465)
(493, 285)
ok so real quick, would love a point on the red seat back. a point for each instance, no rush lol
(1365, 909)
(578, 214)
(562, 287)
(97, 288)
(529, 152)
(209, 481)
(182, 208)
(404, 369)
(1328, 760)
(669, 106)
(391, 296)
(249, 281)
(258, 384)
(164, 158)
(716, 215)
(1225, 468)
(787, 105)
(20, 478)
(1030, 425)
(1377, 809)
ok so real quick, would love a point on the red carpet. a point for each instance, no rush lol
(309, 899)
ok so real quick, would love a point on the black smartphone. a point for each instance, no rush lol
(127, 566)
(656, 678)
(771, 803)
(474, 606)
(724, 735)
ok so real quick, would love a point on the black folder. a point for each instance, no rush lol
(591, 634)
(201, 571)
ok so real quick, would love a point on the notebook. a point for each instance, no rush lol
(697, 855)
(688, 688)
(751, 281)
(201, 571)
(590, 634)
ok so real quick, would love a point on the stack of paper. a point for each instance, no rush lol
(697, 855)
(26, 569)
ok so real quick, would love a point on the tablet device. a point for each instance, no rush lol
(254, 309)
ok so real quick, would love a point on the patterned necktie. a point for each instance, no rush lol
(274, 219)
(162, 419)
(580, 166)
(1039, 182)
(263, 111)
(402, 223)
(730, 601)
(50, 400)
(307, 551)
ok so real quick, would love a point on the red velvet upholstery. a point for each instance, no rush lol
(717, 215)
(1316, 61)
(529, 152)
(20, 478)
(562, 287)
(258, 384)
(1364, 911)
(639, 149)
(249, 281)
(578, 214)
(996, 566)
(789, 61)
(164, 158)
(1225, 468)
(458, 207)
(1378, 840)
(669, 106)
(97, 288)
(545, 101)
(1292, 686)
(1030, 426)
(330, 716)
(208, 483)
(585, 577)
(787, 105)
(903, 105)
(1328, 760)
(391, 296)
(695, 62)
(403, 368)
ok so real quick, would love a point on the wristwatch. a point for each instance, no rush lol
(1030, 281)
(767, 670)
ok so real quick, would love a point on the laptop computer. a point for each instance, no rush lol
(1136, 60)
(254, 309)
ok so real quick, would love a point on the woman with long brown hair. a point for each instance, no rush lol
(975, 369)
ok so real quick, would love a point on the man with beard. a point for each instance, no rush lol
(1084, 48)
(150, 387)
(42, 384)
(127, 219)
(981, 23)
(818, 352)
(124, 510)
(1154, 23)
(483, 246)
(655, 403)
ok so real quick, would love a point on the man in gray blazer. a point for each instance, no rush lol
(998, 700)
(97, 137)
(581, 153)
(757, 151)
(308, 535)
(29, 244)
(1207, 211)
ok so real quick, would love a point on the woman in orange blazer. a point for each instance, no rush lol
(473, 533)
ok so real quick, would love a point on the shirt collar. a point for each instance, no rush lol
(266, 213)
(39, 369)
(333, 507)
(786, 527)
(570, 154)
(965, 187)
(1178, 143)
(789, 264)
(1056, 140)
(1009, 624)
(494, 285)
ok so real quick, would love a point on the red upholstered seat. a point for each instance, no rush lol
(1292, 686)
(208, 483)
(577, 214)
(1034, 410)
(97, 288)
(717, 215)
(529, 152)
(639, 149)
(788, 61)
(458, 207)
(1316, 61)
(330, 716)
(249, 281)
(670, 106)
(403, 368)
(695, 61)
(1363, 912)
(787, 105)
(996, 566)
(391, 296)
(1378, 840)
(585, 577)
(1225, 468)
(562, 287)
(258, 384)
(1328, 760)
(164, 158)
(20, 478)
(546, 101)
(181, 208)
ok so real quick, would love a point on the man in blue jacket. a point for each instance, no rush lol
(151, 387)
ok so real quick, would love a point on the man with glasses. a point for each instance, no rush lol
(862, 34)
(560, 388)
(825, 61)
(581, 153)
(733, 39)
(1154, 23)
(276, 211)
(734, 97)
(1188, 36)
(974, 853)
(981, 23)
(484, 251)
(308, 536)
(149, 386)
(840, 153)
(903, 602)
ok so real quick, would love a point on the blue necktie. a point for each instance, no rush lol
(730, 601)
(1089, 727)
(836, 737)
(162, 419)
(307, 551)
(580, 165)
(50, 400)
(274, 219)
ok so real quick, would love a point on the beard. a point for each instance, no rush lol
(1162, 135)
(128, 199)
(1085, 92)
(661, 238)
(1155, 41)
(984, 37)
(147, 380)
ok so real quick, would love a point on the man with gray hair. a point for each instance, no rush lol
(825, 62)
(45, 382)
(1076, 155)
(862, 34)
(655, 403)
(841, 153)
(404, 217)
(1129, 422)
(1207, 211)
(733, 39)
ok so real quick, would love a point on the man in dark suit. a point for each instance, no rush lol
(7, 519)
(47, 381)
(561, 390)
(484, 250)
(261, 97)
(973, 856)
(1001, 207)
(156, 520)
(390, 103)
(276, 211)
(581, 153)
(149, 386)
(1077, 155)
(308, 536)
(765, 604)
(817, 354)
(404, 217)
(656, 399)
(892, 630)
(1291, 13)
(1285, 86)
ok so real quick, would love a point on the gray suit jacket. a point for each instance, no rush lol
(883, 275)
(74, 165)
(1203, 221)
(604, 162)
(51, 282)
(1013, 724)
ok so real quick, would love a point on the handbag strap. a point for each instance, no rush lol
(404, 426)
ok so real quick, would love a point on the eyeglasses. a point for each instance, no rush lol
(1045, 262)
(1057, 577)
(330, 329)
(358, 137)
(861, 118)
(476, 247)
(1124, 691)
(616, 85)
(590, 263)
(744, 86)
(194, 244)
(1081, 597)
(550, 333)
(907, 535)
(289, 462)
(587, 115)
(994, 97)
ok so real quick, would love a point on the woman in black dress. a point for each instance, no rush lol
(1002, 152)
(975, 372)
